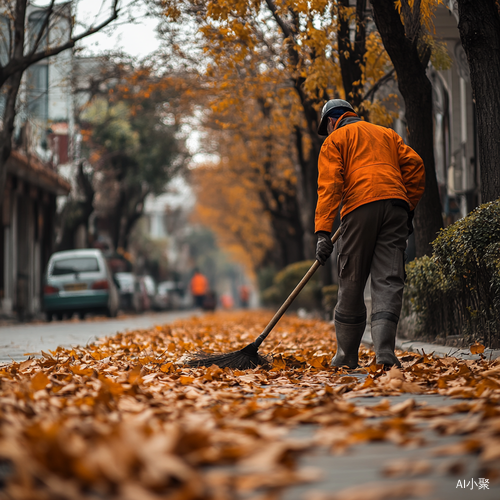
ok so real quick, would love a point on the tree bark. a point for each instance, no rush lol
(416, 90)
(351, 54)
(8, 126)
(306, 169)
(479, 28)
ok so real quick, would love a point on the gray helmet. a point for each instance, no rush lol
(331, 104)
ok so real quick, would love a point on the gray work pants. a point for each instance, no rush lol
(373, 240)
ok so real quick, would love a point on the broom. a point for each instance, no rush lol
(249, 357)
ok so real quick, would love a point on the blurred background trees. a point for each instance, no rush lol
(267, 70)
(131, 148)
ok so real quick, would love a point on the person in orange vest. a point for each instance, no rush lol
(379, 180)
(199, 288)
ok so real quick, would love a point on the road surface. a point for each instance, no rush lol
(20, 341)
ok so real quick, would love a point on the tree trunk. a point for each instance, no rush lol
(479, 28)
(8, 126)
(416, 90)
(286, 226)
(306, 169)
(351, 54)
(77, 212)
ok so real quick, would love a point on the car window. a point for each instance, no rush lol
(75, 265)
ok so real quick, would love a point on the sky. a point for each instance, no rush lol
(136, 37)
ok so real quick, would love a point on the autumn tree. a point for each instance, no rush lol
(295, 55)
(252, 137)
(23, 43)
(88, 82)
(242, 228)
(133, 144)
(479, 25)
(402, 28)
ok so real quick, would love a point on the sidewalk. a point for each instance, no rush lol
(435, 349)
(423, 347)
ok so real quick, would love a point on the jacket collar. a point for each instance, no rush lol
(346, 119)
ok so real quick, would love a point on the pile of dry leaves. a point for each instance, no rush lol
(124, 419)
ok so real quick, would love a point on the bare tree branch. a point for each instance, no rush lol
(370, 94)
(287, 31)
(44, 27)
(21, 62)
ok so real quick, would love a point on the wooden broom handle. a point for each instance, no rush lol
(291, 297)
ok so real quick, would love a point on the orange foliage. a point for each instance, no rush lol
(267, 68)
(229, 204)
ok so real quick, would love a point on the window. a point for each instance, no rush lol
(75, 265)
(35, 24)
(37, 80)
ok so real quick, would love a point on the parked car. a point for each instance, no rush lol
(79, 281)
(129, 296)
(169, 295)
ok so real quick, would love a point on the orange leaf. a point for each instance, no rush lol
(185, 380)
(477, 348)
(134, 376)
(39, 381)
(167, 368)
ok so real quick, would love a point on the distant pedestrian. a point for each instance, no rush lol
(244, 296)
(199, 288)
(227, 301)
(379, 180)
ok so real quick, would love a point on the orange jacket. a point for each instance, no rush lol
(199, 284)
(359, 163)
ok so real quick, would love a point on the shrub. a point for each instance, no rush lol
(286, 280)
(457, 290)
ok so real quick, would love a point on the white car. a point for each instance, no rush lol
(79, 281)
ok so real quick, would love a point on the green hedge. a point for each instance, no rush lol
(286, 280)
(457, 290)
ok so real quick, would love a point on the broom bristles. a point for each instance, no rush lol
(244, 359)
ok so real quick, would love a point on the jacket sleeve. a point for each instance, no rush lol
(330, 186)
(412, 171)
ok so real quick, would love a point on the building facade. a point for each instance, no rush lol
(42, 142)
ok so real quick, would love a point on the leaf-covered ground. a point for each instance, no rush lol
(124, 419)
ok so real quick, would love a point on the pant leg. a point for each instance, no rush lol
(387, 268)
(356, 246)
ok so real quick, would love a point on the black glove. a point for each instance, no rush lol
(324, 247)
(410, 221)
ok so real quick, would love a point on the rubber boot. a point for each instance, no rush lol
(348, 341)
(384, 341)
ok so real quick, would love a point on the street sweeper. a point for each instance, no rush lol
(379, 180)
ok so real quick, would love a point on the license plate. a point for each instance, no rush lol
(74, 287)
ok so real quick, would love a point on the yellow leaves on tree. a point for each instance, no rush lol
(267, 68)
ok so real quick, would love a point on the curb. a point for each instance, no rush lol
(440, 351)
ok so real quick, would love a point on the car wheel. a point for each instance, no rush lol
(59, 316)
(111, 313)
(81, 315)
